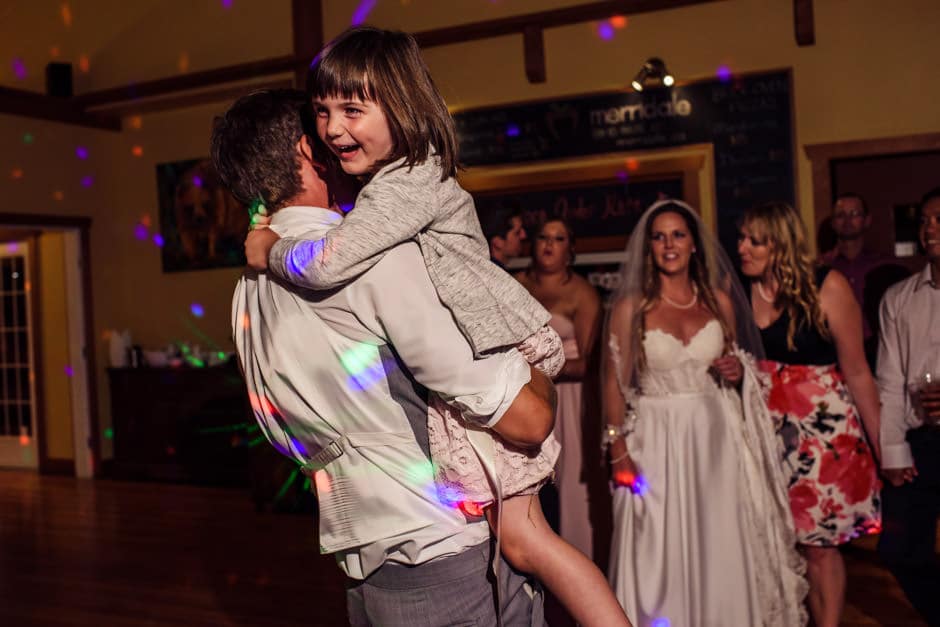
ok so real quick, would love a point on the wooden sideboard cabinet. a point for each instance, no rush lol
(189, 425)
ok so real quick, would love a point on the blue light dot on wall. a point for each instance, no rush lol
(88, 181)
(723, 73)
(226, 4)
(197, 310)
(512, 130)
(69, 371)
(81, 152)
(362, 11)
(660, 622)
(197, 181)
(605, 31)
(19, 68)
(158, 240)
(141, 232)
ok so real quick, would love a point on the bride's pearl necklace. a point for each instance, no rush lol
(763, 296)
(688, 305)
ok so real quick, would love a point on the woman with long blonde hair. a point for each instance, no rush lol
(702, 532)
(823, 397)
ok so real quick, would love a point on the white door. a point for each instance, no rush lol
(18, 446)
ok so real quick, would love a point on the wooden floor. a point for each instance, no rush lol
(105, 553)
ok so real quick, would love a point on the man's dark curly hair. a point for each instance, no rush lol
(254, 146)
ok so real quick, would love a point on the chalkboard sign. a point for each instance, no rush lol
(592, 211)
(747, 119)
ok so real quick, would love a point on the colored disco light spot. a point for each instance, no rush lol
(513, 130)
(632, 165)
(346, 207)
(302, 255)
(362, 12)
(322, 481)
(286, 485)
(66, 13)
(141, 232)
(660, 622)
(58, 195)
(226, 4)
(471, 508)
(24, 440)
(619, 21)
(28, 138)
(723, 73)
(605, 31)
(136, 122)
(145, 220)
(246, 321)
(54, 52)
(183, 62)
(622, 176)
(109, 433)
(158, 240)
(88, 181)
(359, 358)
(81, 152)
(69, 371)
(84, 64)
(17, 173)
(197, 310)
(19, 68)
(197, 181)
(137, 151)
(13, 247)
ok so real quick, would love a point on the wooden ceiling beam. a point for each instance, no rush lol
(804, 28)
(32, 105)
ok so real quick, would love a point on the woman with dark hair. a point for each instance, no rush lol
(702, 532)
(822, 395)
(575, 309)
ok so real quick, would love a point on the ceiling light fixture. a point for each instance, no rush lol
(653, 72)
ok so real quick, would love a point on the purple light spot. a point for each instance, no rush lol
(226, 4)
(19, 68)
(141, 232)
(69, 371)
(362, 11)
(622, 176)
(13, 247)
(605, 31)
(81, 152)
(197, 310)
(346, 207)
(88, 181)
(723, 73)
(302, 255)
(660, 622)
(158, 240)
(197, 181)
(640, 487)
(513, 130)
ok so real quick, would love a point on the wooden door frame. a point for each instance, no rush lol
(822, 155)
(82, 225)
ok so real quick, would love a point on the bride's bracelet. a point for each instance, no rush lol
(615, 432)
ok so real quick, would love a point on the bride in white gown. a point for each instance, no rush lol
(703, 535)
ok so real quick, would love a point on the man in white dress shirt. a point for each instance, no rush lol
(910, 435)
(339, 381)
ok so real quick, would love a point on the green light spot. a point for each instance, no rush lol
(280, 493)
(28, 138)
(258, 440)
(357, 360)
(306, 484)
(221, 355)
(109, 433)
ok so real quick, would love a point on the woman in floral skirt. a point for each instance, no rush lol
(822, 395)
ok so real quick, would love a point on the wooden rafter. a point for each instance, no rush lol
(32, 105)
(804, 28)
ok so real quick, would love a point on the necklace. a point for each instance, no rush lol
(760, 291)
(688, 305)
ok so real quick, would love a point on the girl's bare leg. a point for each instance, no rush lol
(530, 545)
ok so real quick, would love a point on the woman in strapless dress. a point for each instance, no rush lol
(702, 534)
(575, 308)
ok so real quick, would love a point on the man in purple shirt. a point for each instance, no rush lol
(850, 221)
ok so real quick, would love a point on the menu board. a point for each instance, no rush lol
(747, 119)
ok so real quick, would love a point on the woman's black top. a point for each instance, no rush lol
(811, 347)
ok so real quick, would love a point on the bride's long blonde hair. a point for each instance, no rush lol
(779, 226)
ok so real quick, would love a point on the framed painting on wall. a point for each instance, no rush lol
(202, 225)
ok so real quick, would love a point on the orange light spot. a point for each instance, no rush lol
(58, 195)
(145, 220)
(66, 12)
(137, 151)
(618, 21)
(322, 481)
(54, 52)
(183, 62)
(17, 173)
(633, 165)
(136, 121)
(27, 286)
(84, 64)
(24, 440)
(246, 321)
(471, 508)
(106, 335)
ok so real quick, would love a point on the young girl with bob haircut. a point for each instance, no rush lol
(382, 118)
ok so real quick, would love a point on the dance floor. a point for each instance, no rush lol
(115, 554)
